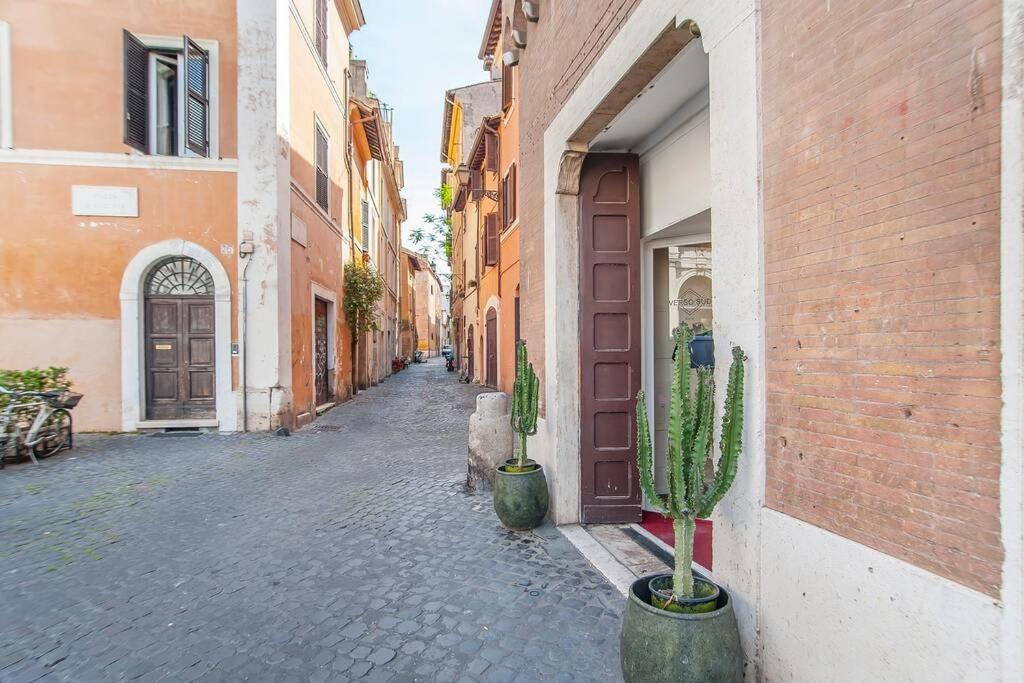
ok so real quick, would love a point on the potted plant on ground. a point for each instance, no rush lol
(679, 627)
(702, 347)
(520, 489)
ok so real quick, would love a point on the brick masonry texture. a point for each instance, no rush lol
(881, 202)
(562, 47)
(349, 550)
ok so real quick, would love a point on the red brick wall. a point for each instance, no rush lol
(881, 199)
(561, 48)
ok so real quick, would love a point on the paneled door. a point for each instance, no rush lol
(610, 348)
(180, 358)
(321, 353)
(491, 337)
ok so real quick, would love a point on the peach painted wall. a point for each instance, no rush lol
(60, 274)
(78, 46)
(321, 260)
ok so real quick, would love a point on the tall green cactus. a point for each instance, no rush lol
(525, 392)
(690, 437)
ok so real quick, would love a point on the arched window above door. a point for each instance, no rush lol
(179, 275)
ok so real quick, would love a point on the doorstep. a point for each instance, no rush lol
(615, 552)
(176, 424)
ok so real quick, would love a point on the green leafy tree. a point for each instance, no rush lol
(364, 288)
(691, 496)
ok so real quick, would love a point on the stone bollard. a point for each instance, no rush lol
(490, 439)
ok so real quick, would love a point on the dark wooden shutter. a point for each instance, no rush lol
(136, 93)
(322, 186)
(609, 337)
(506, 86)
(197, 98)
(513, 193)
(476, 182)
(492, 240)
(491, 151)
(321, 30)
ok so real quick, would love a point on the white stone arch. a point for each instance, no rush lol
(133, 388)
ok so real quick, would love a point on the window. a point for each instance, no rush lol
(322, 183)
(321, 30)
(364, 218)
(167, 97)
(491, 151)
(508, 197)
(491, 240)
(507, 83)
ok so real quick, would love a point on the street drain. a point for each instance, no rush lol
(327, 428)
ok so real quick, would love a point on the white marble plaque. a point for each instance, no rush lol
(104, 200)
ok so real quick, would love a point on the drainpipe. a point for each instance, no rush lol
(245, 250)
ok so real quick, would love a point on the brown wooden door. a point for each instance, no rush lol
(470, 369)
(320, 352)
(491, 336)
(180, 358)
(609, 336)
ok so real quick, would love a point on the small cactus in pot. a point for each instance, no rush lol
(692, 495)
(525, 392)
(520, 488)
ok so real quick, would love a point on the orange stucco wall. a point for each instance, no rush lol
(60, 274)
(320, 261)
(68, 66)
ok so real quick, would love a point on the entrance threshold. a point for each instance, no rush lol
(176, 424)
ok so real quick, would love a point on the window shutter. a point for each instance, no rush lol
(513, 193)
(197, 98)
(476, 181)
(491, 151)
(491, 246)
(136, 93)
(322, 187)
(321, 30)
(506, 86)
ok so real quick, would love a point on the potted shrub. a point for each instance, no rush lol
(520, 489)
(679, 627)
(702, 347)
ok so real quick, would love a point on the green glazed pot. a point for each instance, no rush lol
(663, 647)
(520, 498)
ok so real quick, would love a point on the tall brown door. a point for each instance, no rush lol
(470, 368)
(491, 335)
(609, 336)
(320, 352)
(180, 358)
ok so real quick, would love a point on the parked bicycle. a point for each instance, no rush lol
(36, 423)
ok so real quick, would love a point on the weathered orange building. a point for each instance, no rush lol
(178, 243)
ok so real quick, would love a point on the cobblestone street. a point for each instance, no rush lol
(349, 550)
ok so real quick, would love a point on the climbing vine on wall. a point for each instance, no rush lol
(363, 289)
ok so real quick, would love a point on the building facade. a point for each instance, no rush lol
(837, 189)
(429, 293)
(181, 244)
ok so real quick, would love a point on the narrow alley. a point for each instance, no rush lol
(348, 549)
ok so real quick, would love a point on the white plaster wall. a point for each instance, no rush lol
(737, 265)
(1011, 496)
(264, 203)
(835, 610)
(675, 175)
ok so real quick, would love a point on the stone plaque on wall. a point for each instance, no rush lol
(104, 200)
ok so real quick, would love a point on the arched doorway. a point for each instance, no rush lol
(179, 339)
(491, 346)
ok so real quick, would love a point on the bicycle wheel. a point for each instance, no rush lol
(54, 434)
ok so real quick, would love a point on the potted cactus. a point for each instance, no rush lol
(679, 627)
(520, 489)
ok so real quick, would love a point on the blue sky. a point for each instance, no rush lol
(415, 50)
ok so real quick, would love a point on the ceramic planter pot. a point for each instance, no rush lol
(663, 647)
(702, 351)
(705, 598)
(520, 498)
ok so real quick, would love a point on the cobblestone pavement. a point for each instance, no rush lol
(350, 550)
